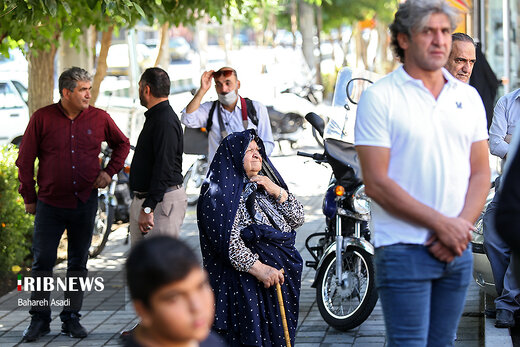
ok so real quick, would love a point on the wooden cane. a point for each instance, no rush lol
(282, 312)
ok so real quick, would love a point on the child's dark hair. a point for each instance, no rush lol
(156, 262)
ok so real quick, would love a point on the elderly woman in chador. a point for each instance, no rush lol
(247, 220)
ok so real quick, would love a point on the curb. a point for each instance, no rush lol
(494, 336)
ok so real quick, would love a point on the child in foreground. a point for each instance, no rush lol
(171, 295)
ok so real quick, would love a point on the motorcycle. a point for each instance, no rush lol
(194, 177)
(285, 126)
(113, 204)
(345, 284)
(286, 113)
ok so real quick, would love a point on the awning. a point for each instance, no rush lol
(463, 5)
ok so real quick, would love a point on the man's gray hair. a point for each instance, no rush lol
(412, 16)
(462, 37)
(70, 77)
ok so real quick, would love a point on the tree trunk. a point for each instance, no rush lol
(201, 41)
(294, 22)
(224, 28)
(333, 52)
(92, 43)
(307, 30)
(272, 25)
(227, 38)
(41, 78)
(361, 47)
(163, 57)
(319, 26)
(343, 46)
(79, 55)
(384, 65)
(261, 32)
(101, 68)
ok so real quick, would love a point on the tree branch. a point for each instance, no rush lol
(11, 10)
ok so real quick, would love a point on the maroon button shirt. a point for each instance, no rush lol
(68, 153)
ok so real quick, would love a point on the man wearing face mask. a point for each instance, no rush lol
(229, 114)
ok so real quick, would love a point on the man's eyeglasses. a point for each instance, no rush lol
(225, 73)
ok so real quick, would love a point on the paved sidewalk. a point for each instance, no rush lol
(104, 325)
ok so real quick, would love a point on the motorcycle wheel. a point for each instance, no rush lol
(346, 307)
(193, 180)
(102, 226)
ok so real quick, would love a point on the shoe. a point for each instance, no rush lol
(126, 333)
(505, 319)
(72, 328)
(35, 330)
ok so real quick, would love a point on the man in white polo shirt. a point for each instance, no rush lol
(421, 138)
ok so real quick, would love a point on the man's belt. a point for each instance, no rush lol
(144, 195)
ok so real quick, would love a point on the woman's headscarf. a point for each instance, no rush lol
(216, 211)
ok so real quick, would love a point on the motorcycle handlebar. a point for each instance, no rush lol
(315, 156)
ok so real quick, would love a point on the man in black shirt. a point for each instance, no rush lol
(159, 203)
(507, 216)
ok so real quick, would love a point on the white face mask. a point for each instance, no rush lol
(228, 99)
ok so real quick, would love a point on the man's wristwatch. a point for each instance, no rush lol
(147, 210)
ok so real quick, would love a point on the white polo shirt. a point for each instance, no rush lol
(430, 144)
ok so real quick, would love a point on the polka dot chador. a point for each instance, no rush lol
(231, 240)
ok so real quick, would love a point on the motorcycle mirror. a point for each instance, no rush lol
(355, 87)
(316, 122)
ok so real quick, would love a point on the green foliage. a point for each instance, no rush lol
(255, 13)
(341, 12)
(40, 23)
(15, 225)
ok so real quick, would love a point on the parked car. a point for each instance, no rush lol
(180, 49)
(118, 59)
(14, 112)
(14, 65)
(285, 38)
(482, 272)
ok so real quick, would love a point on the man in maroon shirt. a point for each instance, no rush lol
(66, 138)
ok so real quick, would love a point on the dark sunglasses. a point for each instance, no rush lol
(225, 73)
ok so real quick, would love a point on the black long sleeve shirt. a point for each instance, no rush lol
(507, 218)
(157, 161)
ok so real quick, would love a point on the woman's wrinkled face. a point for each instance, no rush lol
(252, 159)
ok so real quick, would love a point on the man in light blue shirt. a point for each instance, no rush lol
(229, 107)
(505, 117)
